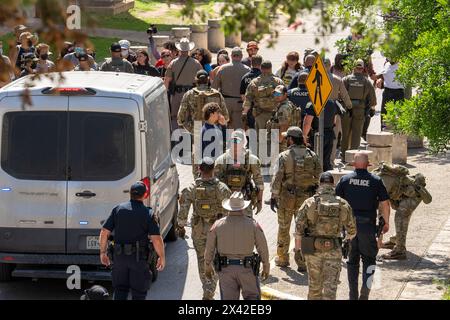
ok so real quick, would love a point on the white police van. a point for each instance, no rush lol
(72, 156)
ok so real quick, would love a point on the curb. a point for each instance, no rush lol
(272, 294)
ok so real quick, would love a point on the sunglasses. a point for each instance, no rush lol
(277, 94)
(165, 56)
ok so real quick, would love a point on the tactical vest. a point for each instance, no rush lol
(264, 96)
(298, 181)
(295, 117)
(111, 65)
(203, 97)
(236, 177)
(356, 91)
(326, 219)
(206, 198)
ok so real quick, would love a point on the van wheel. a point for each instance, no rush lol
(172, 234)
(6, 270)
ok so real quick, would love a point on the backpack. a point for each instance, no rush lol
(206, 198)
(392, 177)
(203, 97)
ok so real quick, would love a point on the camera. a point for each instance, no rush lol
(152, 29)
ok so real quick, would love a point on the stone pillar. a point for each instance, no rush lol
(159, 41)
(233, 40)
(199, 35)
(415, 142)
(350, 154)
(181, 32)
(381, 145)
(216, 37)
(400, 149)
(338, 174)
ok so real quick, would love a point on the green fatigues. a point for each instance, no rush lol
(403, 211)
(323, 217)
(260, 94)
(235, 175)
(206, 196)
(362, 95)
(297, 173)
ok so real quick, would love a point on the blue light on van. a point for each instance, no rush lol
(6, 189)
(83, 223)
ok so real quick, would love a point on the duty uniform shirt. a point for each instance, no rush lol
(363, 191)
(247, 78)
(330, 110)
(131, 221)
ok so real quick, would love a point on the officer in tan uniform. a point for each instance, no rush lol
(180, 77)
(362, 95)
(295, 180)
(195, 99)
(206, 195)
(240, 170)
(228, 82)
(286, 115)
(318, 228)
(230, 244)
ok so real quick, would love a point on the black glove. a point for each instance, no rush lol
(273, 204)
(371, 112)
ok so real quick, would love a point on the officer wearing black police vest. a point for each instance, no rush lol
(133, 225)
(365, 193)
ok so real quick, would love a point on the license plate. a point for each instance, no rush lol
(92, 243)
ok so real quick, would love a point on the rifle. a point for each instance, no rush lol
(380, 227)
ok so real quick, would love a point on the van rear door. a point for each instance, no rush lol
(33, 185)
(104, 161)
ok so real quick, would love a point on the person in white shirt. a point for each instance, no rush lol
(393, 89)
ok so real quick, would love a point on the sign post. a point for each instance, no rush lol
(319, 89)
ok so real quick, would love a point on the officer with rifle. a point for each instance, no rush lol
(234, 238)
(133, 225)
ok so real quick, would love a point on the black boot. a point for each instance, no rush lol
(364, 295)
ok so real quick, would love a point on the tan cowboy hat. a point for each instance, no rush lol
(185, 45)
(236, 202)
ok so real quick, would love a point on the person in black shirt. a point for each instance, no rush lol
(365, 193)
(246, 79)
(143, 66)
(133, 225)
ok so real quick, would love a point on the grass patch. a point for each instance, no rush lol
(144, 13)
(7, 39)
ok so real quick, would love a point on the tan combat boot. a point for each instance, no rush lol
(282, 261)
(394, 255)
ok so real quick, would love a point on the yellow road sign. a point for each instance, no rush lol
(319, 85)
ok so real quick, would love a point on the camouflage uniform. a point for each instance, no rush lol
(260, 94)
(236, 176)
(206, 196)
(295, 179)
(287, 115)
(193, 102)
(323, 216)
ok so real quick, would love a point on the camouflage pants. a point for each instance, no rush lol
(200, 230)
(324, 269)
(403, 213)
(284, 238)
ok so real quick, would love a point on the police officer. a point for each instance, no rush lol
(195, 99)
(286, 115)
(330, 111)
(245, 81)
(299, 96)
(133, 225)
(228, 82)
(234, 238)
(259, 94)
(364, 192)
(294, 181)
(116, 63)
(180, 76)
(362, 95)
(206, 195)
(240, 170)
(318, 227)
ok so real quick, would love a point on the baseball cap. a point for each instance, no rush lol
(236, 51)
(138, 189)
(95, 293)
(201, 74)
(360, 63)
(115, 47)
(238, 136)
(294, 132)
(124, 44)
(252, 44)
(266, 64)
(326, 177)
(280, 89)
